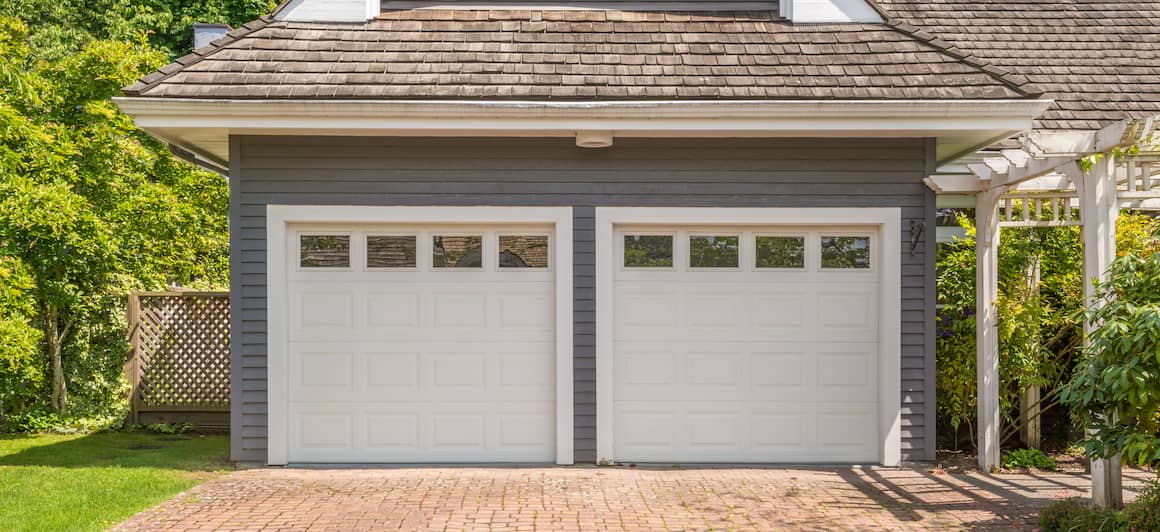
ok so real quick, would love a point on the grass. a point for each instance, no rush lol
(90, 482)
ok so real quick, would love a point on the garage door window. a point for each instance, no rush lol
(457, 252)
(714, 252)
(648, 251)
(523, 251)
(781, 252)
(846, 252)
(384, 251)
(324, 251)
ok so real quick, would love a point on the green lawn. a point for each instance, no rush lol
(90, 482)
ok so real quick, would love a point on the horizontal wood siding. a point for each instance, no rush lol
(553, 172)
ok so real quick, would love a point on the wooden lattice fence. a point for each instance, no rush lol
(179, 368)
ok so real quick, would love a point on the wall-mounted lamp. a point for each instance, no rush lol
(594, 139)
(917, 230)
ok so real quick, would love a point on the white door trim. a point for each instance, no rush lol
(889, 225)
(278, 217)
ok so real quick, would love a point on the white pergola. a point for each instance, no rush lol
(1043, 184)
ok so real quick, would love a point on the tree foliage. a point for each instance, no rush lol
(1040, 330)
(90, 206)
(1116, 388)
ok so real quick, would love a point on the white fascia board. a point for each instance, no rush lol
(867, 117)
(329, 11)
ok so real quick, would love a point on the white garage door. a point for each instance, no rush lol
(421, 344)
(746, 345)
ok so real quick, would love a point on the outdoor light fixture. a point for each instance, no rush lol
(594, 139)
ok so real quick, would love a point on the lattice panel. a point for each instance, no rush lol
(183, 350)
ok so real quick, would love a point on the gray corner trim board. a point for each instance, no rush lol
(380, 171)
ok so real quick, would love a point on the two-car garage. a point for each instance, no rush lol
(445, 335)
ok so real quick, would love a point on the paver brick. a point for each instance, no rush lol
(589, 498)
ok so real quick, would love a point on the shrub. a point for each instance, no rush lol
(42, 419)
(1028, 458)
(1144, 513)
(1072, 515)
(168, 428)
(1116, 388)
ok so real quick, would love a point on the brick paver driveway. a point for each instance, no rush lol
(611, 498)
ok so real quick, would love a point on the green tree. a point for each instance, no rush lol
(62, 26)
(1116, 387)
(20, 375)
(90, 206)
(1040, 333)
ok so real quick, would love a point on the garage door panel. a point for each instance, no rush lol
(398, 432)
(326, 313)
(529, 310)
(393, 310)
(417, 363)
(746, 371)
(776, 432)
(644, 427)
(779, 312)
(742, 432)
(324, 372)
(459, 311)
(318, 429)
(646, 311)
(712, 311)
(851, 427)
(347, 311)
(354, 432)
(745, 364)
(393, 372)
(848, 313)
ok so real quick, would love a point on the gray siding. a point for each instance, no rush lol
(553, 172)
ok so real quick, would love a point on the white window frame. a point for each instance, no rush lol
(352, 237)
(742, 256)
(806, 249)
(874, 248)
(366, 235)
(620, 249)
(279, 242)
(518, 233)
(883, 224)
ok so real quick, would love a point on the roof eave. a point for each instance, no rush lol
(193, 124)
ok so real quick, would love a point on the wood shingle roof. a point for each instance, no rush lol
(580, 55)
(1100, 60)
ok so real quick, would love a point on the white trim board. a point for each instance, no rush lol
(888, 223)
(203, 126)
(278, 217)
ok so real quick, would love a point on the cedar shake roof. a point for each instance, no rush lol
(579, 55)
(1100, 60)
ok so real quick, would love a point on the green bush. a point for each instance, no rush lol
(168, 428)
(43, 419)
(1028, 458)
(1074, 515)
(1144, 513)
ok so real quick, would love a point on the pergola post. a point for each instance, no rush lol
(1099, 210)
(986, 326)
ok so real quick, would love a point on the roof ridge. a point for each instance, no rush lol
(1017, 82)
(181, 63)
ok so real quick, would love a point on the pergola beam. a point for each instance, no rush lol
(1048, 163)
